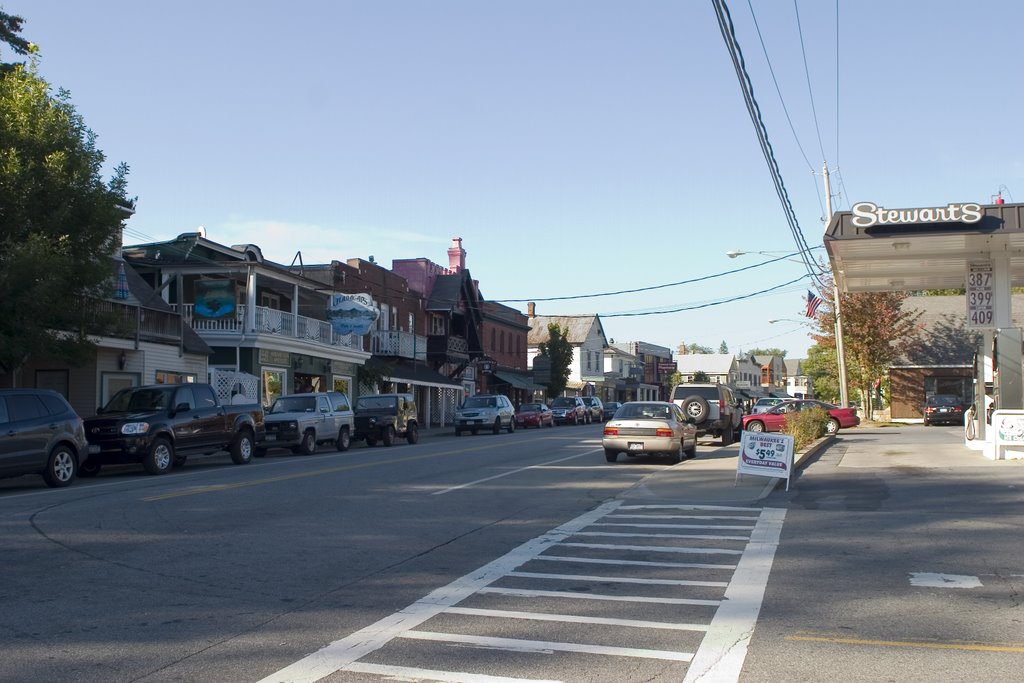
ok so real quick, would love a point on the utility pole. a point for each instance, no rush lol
(844, 395)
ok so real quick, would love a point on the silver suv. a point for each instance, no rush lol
(301, 422)
(485, 411)
(713, 408)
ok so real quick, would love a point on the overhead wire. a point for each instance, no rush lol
(807, 73)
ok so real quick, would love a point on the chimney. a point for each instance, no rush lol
(531, 310)
(682, 349)
(456, 256)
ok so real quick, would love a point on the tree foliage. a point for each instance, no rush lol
(723, 347)
(697, 348)
(10, 27)
(701, 376)
(59, 224)
(876, 331)
(781, 353)
(558, 350)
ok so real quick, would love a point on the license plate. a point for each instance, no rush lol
(271, 437)
(635, 446)
(943, 410)
(93, 449)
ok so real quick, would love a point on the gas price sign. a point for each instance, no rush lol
(980, 295)
(766, 455)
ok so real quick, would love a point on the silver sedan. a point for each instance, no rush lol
(649, 427)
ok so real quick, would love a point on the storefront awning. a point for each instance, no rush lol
(416, 374)
(518, 381)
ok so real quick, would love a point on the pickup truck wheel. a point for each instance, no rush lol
(344, 440)
(89, 468)
(60, 467)
(243, 448)
(412, 433)
(160, 457)
(388, 437)
(308, 444)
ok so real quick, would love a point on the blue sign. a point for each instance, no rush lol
(351, 313)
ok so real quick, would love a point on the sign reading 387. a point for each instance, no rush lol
(980, 295)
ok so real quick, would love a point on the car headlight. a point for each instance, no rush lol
(135, 428)
(291, 425)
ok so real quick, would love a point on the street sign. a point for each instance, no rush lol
(766, 455)
(980, 295)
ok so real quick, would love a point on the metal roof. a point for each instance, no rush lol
(916, 249)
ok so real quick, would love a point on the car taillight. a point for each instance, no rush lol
(663, 432)
(611, 431)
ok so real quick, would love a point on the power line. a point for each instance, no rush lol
(807, 73)
(705, 305)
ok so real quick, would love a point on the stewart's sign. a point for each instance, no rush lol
(869, 215)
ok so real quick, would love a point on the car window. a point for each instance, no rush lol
(324, 404)
(55, 405)
(25, 407)
(563, 403)
(683, 391)
(184, 395)
(294, 404)
(203, 396)
(339, 401)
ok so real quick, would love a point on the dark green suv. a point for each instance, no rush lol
(385, 417)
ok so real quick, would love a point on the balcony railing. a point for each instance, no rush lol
(443, 347)
(141, 323)
(398, 344)
(272, 322)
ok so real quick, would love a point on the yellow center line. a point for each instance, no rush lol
(906, 643)
(214, 488)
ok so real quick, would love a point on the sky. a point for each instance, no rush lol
(578, 147)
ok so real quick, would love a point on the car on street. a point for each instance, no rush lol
(40, 433)
(944, 409)
(301, 422)
(595, 409)
(386, 417)
(609, 409)
(714, 409)
(485, 411)
(650, 427)
(534, 415)
(569, 410)
(764, 403)
(774, 419)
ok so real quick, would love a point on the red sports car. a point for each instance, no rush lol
(534, 415)
(773, 419)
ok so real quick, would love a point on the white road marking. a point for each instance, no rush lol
(510, 472)
(736, 527)
(930, 580)
(720, 655)
(413, 674)
(657, 549)
(523, 593)
(633, 563)
(546, 647)
(690, 536)
(575, 619)
(751, 518)
(618, 579)
(341, 653)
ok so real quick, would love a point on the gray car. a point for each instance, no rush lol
(485, 411)
(301, 422)
(40, 433)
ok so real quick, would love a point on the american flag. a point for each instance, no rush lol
(813, 301)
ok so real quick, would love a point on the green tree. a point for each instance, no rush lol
(723, 347)
(10, 27)
(697, 348)
(766, 352)
(558, 350)
(701, 376)
(820, 367)
(59, 224)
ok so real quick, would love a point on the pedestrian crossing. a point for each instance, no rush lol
(623, 592)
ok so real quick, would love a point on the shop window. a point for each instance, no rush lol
(273, 384)
(163, 377)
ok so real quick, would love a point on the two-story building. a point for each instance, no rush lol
(656, 366)
(586, 336)
(505, 332)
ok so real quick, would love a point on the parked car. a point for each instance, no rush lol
(385, 417)
(301, 422)
(485, 411)
(650, 427)
(568, 410)
(160, 425)
(944, 409)
(714, 409)
(774, 419)
(765, 403)
(609, 409)
(534, 415)
(40, 433)
(595, 409)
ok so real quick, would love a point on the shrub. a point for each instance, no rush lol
(805, 427)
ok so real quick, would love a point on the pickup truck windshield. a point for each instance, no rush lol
(128, 400)
(294, 404)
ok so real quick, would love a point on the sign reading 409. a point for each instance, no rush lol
(980, 295)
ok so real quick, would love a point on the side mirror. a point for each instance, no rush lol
(181, 408)
(99, 411)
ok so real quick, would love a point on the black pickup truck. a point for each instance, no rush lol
(160, 425)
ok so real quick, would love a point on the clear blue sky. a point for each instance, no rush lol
(577, 146)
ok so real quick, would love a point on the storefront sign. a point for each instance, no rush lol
(268, 357)
(980, 295)
(766, 455)
(352, 313)
(214, 299)
(867, 214)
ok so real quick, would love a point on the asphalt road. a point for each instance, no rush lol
(519, 556)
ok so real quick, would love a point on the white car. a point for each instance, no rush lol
(650, 427)
(485, 411)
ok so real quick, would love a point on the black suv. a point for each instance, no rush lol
(712, 407)
(383, 417)
(42, 434)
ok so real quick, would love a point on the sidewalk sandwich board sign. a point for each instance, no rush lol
(766, 455)
(1009, 434)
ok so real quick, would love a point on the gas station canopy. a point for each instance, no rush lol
(875, 249)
